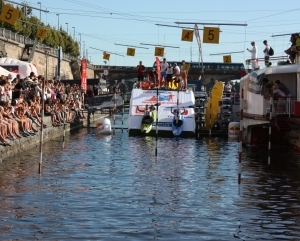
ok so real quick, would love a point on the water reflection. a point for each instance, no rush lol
(115, 188)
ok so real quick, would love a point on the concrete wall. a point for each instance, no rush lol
(14, 49)
(26, 143)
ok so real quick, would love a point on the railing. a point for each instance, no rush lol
(114, 67)
(8, 34)
(282, 106)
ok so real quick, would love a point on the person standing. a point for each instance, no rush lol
(169, 73)
(227, 89)
(266, 52)
(99, 88)
(254, 60)
(183, 74)
(163, 69)
(141, 69)
(176, 73)
(135, 86)
(95, 90)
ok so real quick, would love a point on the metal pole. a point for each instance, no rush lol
(270, 131)
(57, 21)
(64, 133)
(210, 127)
(241, 140)
(83, 49)
(40, 9)
(74, 34)
(42, 115)
(67, 28)
(177, 113)
(114, 112)
(156, 133)
(80, 44)
(123, 109)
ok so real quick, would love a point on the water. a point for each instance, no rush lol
(114, 188)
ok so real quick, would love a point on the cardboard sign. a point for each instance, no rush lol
(9, 14)
(41, 32)
(227, 59)
(159, 51)
(130, 51)
(187, 35)
(211, 35)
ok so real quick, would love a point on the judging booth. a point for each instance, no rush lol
(168, 100)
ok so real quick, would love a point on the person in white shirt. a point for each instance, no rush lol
(266, 52)
(227, 89)
(169, 74)
(254, 60)
(163, 69)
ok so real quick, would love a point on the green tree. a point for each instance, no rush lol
(27, 25)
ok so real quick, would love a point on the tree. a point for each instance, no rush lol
(27, 25)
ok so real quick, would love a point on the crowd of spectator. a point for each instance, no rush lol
(21, 105)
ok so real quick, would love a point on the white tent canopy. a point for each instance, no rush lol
(4, 71)
(23, 68)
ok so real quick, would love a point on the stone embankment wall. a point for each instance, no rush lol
(15, 49)
(50, 133)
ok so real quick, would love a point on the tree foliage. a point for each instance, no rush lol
(27, 25)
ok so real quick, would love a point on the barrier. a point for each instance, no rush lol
(233, 129)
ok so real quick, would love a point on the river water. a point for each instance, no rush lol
(115, 188)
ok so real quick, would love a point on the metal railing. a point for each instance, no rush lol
(282, 106)
(8, 34)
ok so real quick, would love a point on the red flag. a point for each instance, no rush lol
(158, 70)
(83, 82)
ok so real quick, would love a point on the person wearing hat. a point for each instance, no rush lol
(254, 60)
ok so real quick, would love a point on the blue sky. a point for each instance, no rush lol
(102, 24)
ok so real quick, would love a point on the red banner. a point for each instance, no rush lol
(83, 82)
(158, 70)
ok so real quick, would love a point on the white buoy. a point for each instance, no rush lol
(233, 130)
(104, 126)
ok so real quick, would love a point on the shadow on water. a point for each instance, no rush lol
(115, 188)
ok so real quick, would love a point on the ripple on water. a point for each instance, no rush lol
(115, 188)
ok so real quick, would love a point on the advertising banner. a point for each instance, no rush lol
(167, 100)
(83, 82)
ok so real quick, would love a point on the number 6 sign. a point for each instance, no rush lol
(211, 35)
(9, 14)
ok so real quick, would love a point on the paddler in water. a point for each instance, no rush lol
(148, 112)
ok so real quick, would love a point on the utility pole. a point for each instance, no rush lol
(67, 28)
(25, 5)
(83, 52)
(74, 34)
(57, 21)
(80, 44)
(40, 9)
